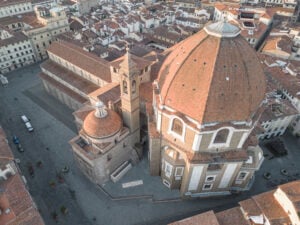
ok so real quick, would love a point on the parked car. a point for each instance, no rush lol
(29, 127)
(20, 148)
(27, 123)
(24, 119)
(16, 140)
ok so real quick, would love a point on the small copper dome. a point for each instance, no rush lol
(101, 127)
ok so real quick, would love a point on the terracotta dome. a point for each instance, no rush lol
(213, 76)
(101, 127)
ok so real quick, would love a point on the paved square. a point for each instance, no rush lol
(148, 203)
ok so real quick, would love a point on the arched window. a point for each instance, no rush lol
(133, 87)
(125, 87)
(177, 126)
(221, 136)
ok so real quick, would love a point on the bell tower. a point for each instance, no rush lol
(130, 95)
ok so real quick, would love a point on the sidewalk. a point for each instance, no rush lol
(152, 187)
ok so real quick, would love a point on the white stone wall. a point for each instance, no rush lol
(61, 96)
(16, 55)
(295, 126)
(195, 177)
(15, 9)
(275, 127)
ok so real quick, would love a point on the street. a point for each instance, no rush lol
(69, 197)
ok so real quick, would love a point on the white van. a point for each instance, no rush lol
(24, 119)
(27, 123)
(29, 127)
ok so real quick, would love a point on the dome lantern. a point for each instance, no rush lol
(100, 110)
(222, 29)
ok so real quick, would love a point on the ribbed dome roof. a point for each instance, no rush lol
(101, 127)
(213, 76)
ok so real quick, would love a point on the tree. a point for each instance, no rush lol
(63, 210)
(52, 183)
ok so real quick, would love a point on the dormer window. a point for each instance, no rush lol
(221, 136)
(177, 126)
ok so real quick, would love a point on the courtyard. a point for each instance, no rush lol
(70, 198)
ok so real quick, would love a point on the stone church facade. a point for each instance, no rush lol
(207, 98)
(105, 147)
(106, 100)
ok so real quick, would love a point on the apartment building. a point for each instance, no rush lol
(15, 50)
(14, 7)
(50, 23)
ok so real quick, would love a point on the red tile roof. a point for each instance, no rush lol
(271, 208)
(27, 18)
(286, 81)
(78, 82)
(14, 39)
(264, 204)
(4, 204)
(146, 92)
(207, 218)
(14, 195)
(82, 113)
(232, 216)
(20, 203)
(110, 92)
(102, 127)
(250, 207)
(84, 60)
(292, 191)
(140, 62)
(233, 9)
(212, 80)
